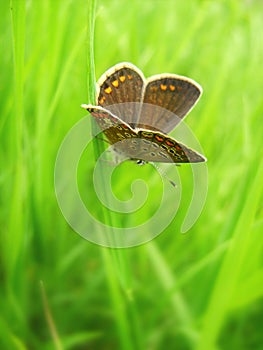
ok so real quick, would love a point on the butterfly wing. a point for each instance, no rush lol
(143, 144)
(118, 133)
(158, 147)
(173, 97)
(113, 127)
(120, 91)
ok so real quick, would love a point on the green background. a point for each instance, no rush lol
(201, 290)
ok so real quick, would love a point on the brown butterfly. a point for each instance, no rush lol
(135, 114)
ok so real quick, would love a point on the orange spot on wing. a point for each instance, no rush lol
(169, 143)
(163, 87)
(158, 138)
(108, 90)
(129, 76)
(172, 87)
(102, 100)
(115, 83)
(122, 78)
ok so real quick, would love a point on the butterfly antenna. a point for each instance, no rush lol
(163, 173)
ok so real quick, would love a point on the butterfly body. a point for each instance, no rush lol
(135, 114)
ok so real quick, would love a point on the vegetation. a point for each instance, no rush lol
(200, 290)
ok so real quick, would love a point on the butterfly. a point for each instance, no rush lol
(136, 114)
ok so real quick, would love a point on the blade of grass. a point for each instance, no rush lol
(14, 238)
(118, 299)
(49, 319)
(219, 304)
(9, 340)
(168, 281)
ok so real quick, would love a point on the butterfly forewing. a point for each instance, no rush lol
(120, 91)
(176, 95)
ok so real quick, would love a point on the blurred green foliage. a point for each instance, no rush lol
(202, 290)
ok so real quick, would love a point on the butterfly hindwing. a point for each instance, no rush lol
(146, 145)
(162, 148)
(114, 128)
